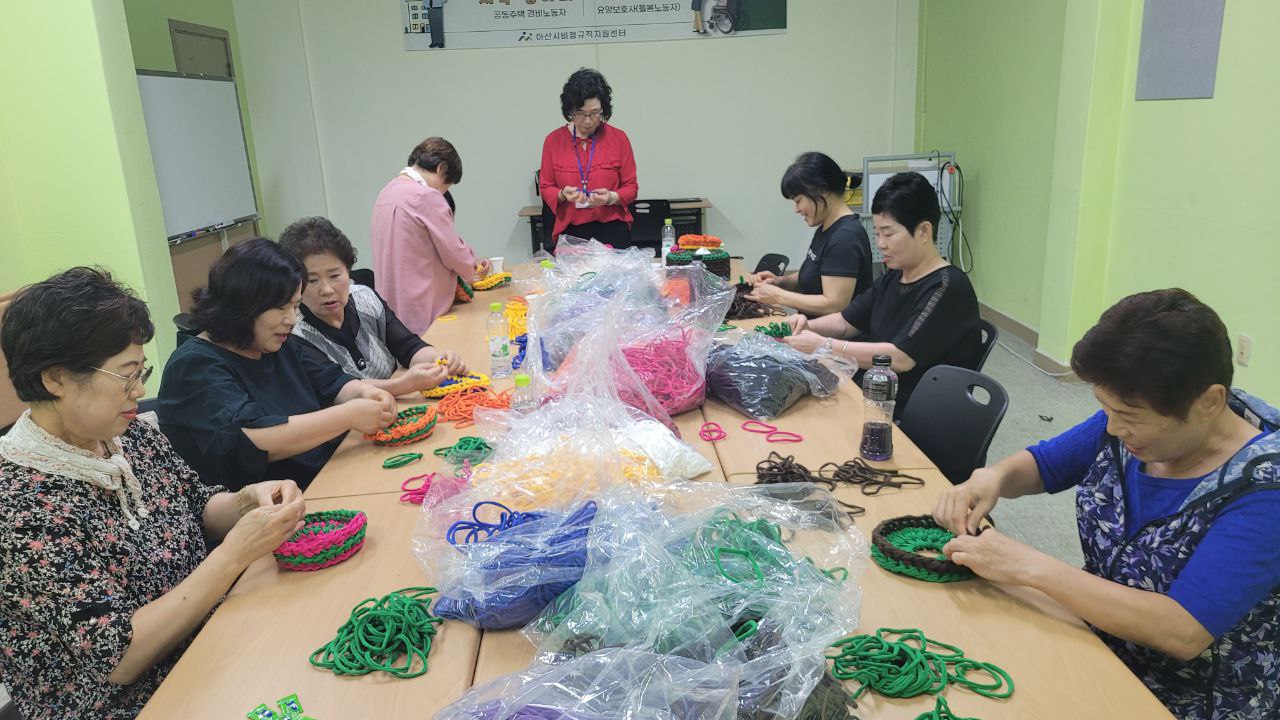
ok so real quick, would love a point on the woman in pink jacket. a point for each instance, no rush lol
(417, 254)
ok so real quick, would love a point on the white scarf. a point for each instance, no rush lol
(28, 445)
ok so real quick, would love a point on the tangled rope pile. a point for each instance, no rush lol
(905, 663)
(391, 634)
(459, 407)
(666, 369)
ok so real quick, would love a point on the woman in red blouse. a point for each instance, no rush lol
(588, 175)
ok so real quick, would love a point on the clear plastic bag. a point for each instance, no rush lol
(619, 684)
(761, 377)
(760, 577)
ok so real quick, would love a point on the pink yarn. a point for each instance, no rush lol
(665, 367)
(711, 432)
(782, 436)
(755, 426)
(434, 487)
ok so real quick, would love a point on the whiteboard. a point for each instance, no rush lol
(198, 151)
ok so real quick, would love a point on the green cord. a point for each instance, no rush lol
(775, 330)
(914, 539)
(905, 663)
(724, 327)
(468, 449)
(941, 711)
(382, 631)
(399, 461)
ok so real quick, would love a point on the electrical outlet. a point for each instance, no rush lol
(1244, 350)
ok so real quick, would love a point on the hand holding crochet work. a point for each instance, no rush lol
(806, 341)
(326, 539)
(961, 508)
(263, 529)
(999, 558)
(457, 383)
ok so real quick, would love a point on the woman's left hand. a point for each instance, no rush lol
(276, 492)
(806, 341)
(387, 399)
(483, 266)
(766, 292)
(601, 197)
(997, 557)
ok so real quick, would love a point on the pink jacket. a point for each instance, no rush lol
(417, 254)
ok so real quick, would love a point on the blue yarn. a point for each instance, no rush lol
(507, 519)
(544, 546)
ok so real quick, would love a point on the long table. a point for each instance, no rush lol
(255, 647)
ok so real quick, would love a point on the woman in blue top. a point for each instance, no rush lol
(242, 402)
(1175, 496)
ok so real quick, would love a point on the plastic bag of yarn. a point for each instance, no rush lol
(508, 566)
(744, 576)
(608, 685)
(674, 458)
(760, 377)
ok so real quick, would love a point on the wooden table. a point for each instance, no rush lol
(255, 647)
(686, 215)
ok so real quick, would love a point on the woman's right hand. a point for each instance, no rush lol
(962, 508)
(798, 323)
(264, 529)
(764, 276)
(424, 377)
(572, 194)
(366, 415)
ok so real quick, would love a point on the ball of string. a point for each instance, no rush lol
(391, 634)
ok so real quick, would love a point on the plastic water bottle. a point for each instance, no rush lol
(879, 391)
(524, 399)
(495, 329)
(668, 238)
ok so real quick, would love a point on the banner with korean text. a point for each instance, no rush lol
(462, 24)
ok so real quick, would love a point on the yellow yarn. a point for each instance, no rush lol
(540, 482)
(516, 314)
(460, 383)
(490, 282)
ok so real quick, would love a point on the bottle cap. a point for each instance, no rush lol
(547, 264)
(495, 307)
(668, 221)
(882, 361)
(522, 380)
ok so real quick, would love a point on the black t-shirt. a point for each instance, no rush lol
(934, 320)
(208, 394)
(841, 250)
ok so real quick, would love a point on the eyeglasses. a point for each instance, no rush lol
(131, 381)
(588, 116)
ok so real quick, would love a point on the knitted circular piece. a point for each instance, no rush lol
(463, 292)
(775, 330)
(490, 282)
(326, 538)
(411, 425)
(895, 543)
(457, 383)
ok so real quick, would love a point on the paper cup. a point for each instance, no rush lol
(496, 262)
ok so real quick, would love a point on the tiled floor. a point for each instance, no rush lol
(1046, 522)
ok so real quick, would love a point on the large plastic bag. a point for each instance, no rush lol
(759, 577)
(617, 684)
(761, 377)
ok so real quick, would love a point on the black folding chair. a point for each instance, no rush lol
(775, 263)
(363, 276)
(989, 337)
(951, 421)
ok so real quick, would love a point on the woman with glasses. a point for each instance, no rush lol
(418, 255)
(349, 324)
(104, 574)
(239, 401)
(588, 174)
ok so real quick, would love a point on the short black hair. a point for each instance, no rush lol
(317, 236)
(430, 153)
(249, 279)
(909, 199)
(1161, 348)
(76, 319)
(813, 175)
(581, 86)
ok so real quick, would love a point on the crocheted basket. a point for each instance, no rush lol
(411, 425)
(716, 262)
(457, 383)
(492, 281)
(326, 539)
(895, 543)
(463, 292)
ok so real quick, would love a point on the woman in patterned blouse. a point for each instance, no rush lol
(104, 574)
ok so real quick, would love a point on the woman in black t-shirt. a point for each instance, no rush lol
(922, 312)
(837, 267)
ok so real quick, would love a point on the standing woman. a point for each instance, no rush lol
(588, 175)
(242, 402)
(417, 253)
(837, 266)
